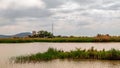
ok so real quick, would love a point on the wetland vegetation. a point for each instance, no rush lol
(52, 53)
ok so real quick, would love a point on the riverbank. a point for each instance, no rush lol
(75, 39)
(52, 53)
(27, 40)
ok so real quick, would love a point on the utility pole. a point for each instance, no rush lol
(52, 29)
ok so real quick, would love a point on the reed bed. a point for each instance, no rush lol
(52, 53)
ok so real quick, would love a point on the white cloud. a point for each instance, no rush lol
(70, 6)
(5, 4)
(103, 13)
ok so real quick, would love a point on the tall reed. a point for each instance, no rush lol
(52, 53)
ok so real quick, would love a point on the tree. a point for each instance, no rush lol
(43, 34)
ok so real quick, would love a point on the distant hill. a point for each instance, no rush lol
(5, 36)
(24, 34)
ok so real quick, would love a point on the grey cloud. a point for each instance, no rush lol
(113, 7)
(99, 4)
(30, 12)
(83, 23)
(12, 16)
(85, 2)
(53, 3)
(108, 5)
(7, 22)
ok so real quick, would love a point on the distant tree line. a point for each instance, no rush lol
(41, 34)
(98, 37)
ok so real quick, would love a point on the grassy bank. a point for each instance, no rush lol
(75, 39)
(76, 54)
(25, 40)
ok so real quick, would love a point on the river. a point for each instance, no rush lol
(17, 49)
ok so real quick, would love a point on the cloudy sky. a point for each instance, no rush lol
(70, 17)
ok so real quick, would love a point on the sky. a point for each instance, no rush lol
(70, 17)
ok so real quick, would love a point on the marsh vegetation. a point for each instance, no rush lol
(52, 53)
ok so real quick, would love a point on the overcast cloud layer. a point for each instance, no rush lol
(70, 17)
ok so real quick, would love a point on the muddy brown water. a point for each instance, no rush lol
(11, 50)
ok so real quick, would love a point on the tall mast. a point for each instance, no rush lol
(53, 28)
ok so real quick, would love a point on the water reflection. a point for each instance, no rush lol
(71, 64)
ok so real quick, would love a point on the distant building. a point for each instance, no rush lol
(34, 33)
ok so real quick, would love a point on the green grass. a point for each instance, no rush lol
(52, 53)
